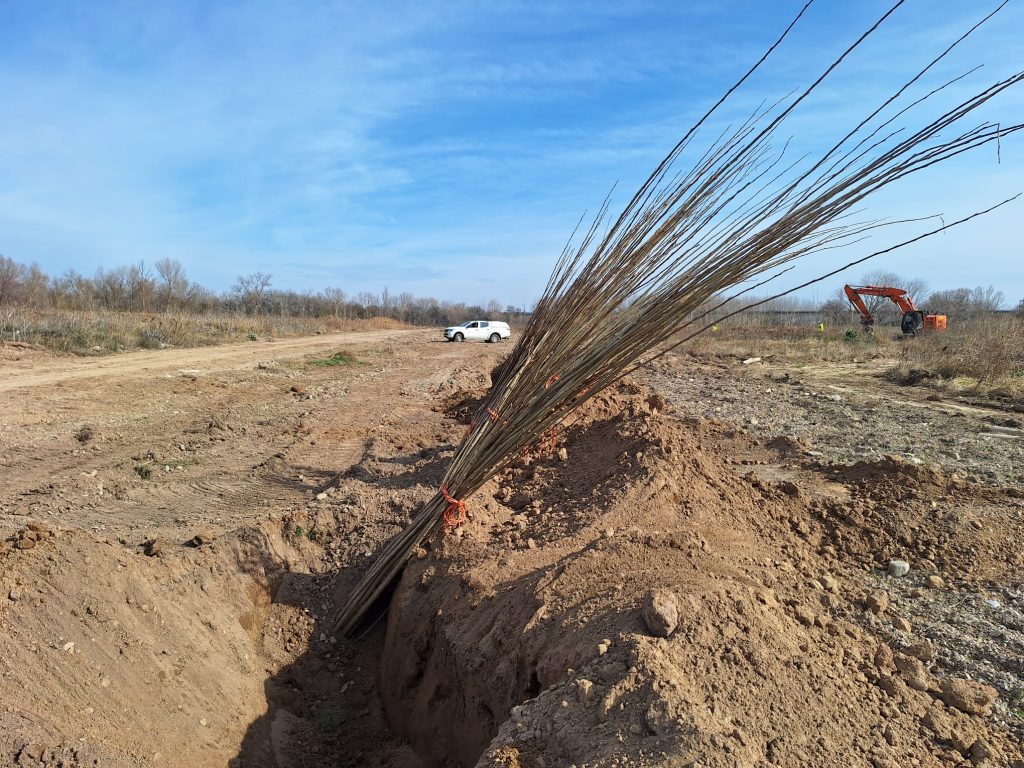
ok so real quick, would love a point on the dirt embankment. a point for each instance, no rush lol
(178, 618)
(152, 656)
(528, 623)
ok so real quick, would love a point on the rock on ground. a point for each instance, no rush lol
(660, 612)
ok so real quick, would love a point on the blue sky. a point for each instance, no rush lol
(445, 149)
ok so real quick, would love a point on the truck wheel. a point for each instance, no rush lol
(495, 338)
(458, 337)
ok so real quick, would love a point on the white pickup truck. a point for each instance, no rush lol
(478, 330)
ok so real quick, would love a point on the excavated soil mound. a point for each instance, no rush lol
(535, 634)
(150, 650)
(899, 508)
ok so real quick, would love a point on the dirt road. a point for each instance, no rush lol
(171, 442)
(26, 370)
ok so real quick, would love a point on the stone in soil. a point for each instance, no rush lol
(201, 538)
(921, 649)
(898, 568)
(968, 696)
(660, 612)
(152, 547)
(878, 601)
(914, 672)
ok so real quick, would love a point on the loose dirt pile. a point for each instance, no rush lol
(153, 656)
(528, 622)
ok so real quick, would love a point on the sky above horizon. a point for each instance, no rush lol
(448, 149)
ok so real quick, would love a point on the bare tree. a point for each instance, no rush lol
(335, 297)
(251, 290)
(966, 303)
(35, 286)
(73, 291)
(140, 287)
(111, 287)
(174, 282)
(836, 311)
(12, 274)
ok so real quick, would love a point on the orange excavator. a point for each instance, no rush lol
(913, 319)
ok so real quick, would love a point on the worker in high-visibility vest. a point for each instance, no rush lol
(821, 327)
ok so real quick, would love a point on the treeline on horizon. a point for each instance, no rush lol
(165, 287)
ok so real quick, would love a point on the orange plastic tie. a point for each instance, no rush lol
(469, 429)
(494, 417)
(551, 380)
(455, 514)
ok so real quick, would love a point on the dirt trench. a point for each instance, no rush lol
(180, 617)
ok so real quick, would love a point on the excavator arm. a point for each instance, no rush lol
(853, 294)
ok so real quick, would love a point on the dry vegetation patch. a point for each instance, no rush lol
(795, 343)
(103, 332)
(984, 356)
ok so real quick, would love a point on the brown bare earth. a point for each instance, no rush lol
(695, 576)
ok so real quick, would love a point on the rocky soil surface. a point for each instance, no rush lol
(847, 412)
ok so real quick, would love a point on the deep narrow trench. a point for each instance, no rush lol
(327, 697)
(325, 706)
(321, 692)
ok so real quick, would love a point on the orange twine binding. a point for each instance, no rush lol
(455, 514)
(494, 417)
(551, 380)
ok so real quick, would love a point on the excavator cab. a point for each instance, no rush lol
(912, 322)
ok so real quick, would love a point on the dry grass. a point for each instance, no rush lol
(797, 344)
(983, 357)
(94, 333)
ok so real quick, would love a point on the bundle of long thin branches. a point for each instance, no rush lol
(740, 212)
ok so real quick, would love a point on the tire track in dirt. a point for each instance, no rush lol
(167, 453)
(61, 370)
